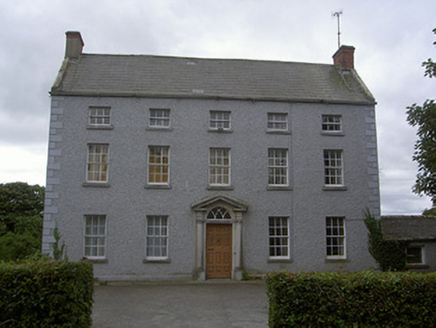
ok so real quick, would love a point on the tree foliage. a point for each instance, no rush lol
(21, 209)
(424, 118)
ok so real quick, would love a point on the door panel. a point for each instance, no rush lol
(218, 251)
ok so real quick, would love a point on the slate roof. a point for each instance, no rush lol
(181, 77)
(418, 227)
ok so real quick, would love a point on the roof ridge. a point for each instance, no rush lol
(208, 59)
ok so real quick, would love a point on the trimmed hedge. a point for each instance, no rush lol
(46, 294)
(361, 299)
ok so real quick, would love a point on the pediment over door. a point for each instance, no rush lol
(205, 204)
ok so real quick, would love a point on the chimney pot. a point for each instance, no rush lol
(74, 45)
(344, 57)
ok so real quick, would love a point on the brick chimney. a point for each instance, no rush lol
(74, 45)
(344, 57)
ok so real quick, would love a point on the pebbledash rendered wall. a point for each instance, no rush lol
(127, 202)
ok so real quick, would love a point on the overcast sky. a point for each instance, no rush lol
(392, 38)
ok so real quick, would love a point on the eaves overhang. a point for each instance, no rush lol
(211, 97)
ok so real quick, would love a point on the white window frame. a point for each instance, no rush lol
(157, 237)
(336, 237)
(333, 168)
(95, 236)
(219, 167)
(99, 116)
(278, 167)
(97, 166)
(159, 118)
(279, 239)
(331, 123)
(422, 249)
(277, 122)
(220, 120)
(162, 167)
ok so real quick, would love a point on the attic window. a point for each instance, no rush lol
(332, 123)
(99, 116)
(219, 120)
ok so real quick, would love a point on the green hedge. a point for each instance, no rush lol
(361, 299)
(46, 294)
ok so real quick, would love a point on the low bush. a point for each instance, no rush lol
(46, 294)
(361, 299)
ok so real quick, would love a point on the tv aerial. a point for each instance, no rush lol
(338, 15)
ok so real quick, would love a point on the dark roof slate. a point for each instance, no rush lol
(417, 227)
(160, 76)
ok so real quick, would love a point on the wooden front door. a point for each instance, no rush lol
(218, 251)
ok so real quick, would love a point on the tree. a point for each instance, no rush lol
(21, 209)
(424, 117)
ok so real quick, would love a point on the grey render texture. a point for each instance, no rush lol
(190, 88)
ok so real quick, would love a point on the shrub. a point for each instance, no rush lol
(390, 254)
(362, 299)
(46, 294)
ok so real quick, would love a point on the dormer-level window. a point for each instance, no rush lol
(332, 123)
(159, 118)
(99, 116)
(219, 120)
(277, 122)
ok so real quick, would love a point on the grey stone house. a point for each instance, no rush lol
(192, 168)
(420, 233)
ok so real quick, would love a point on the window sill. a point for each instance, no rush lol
(99, 127)
(97, 261)
(152, 186)
(272, 260)
(220, 188)
(333, 133)
(286, 132)
(96, 184)
(159, 128)
(334, 188)
(220, 130)
(417, 266)
(327, 260)
(276, 188)
(163, 261)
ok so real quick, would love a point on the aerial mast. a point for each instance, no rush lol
(338, 15)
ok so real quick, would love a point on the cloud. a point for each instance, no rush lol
(23, 164)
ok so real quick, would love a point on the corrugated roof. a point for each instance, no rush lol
(417, 227)
(160, 76)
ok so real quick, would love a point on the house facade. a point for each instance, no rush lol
(191, 168)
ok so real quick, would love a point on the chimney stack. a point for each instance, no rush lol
(344, 57)
(74, 45)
